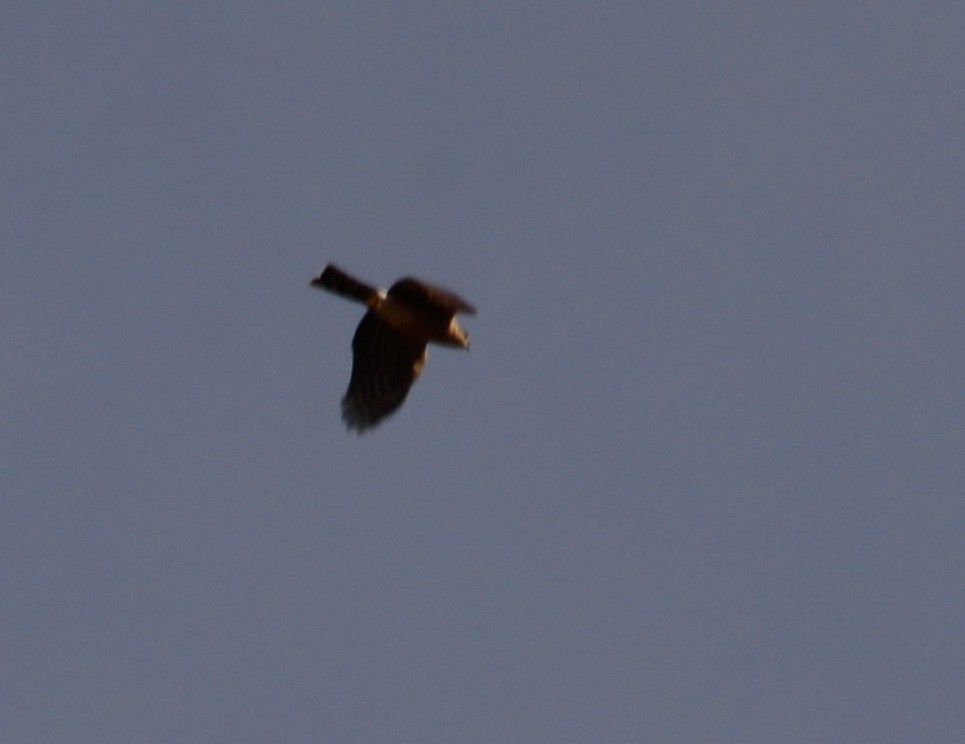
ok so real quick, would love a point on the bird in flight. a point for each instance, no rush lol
(389, 346)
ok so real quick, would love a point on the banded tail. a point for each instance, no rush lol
(335, 280)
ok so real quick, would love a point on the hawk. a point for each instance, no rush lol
(389, 346)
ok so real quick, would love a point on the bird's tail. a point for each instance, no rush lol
(335, 280)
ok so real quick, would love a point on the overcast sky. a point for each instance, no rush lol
(699, 479)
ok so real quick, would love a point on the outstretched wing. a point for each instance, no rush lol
(385, 363)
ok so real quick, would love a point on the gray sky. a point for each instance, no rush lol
(700, 478)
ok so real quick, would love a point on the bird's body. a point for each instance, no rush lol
(389, 346)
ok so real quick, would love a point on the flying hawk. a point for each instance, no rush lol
(389, 346)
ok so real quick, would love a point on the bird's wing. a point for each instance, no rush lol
(385, 363)
(429, 298)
